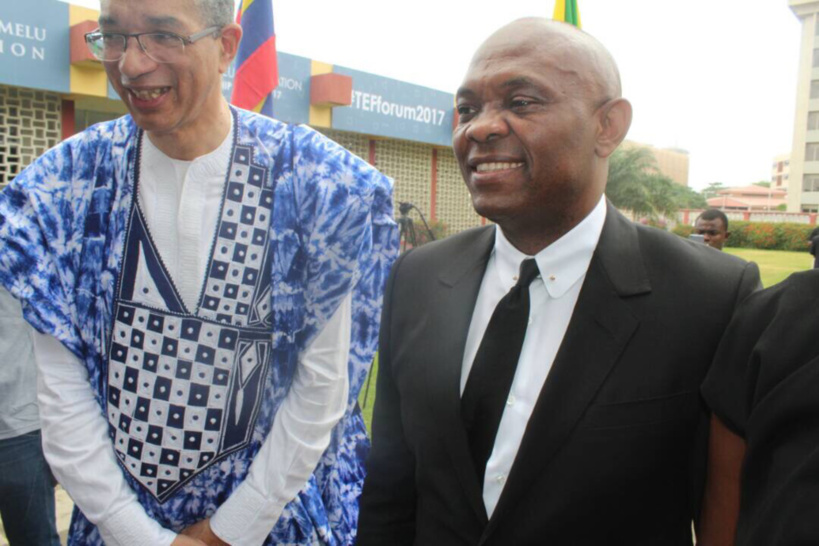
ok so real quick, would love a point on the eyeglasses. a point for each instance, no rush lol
(162, 47)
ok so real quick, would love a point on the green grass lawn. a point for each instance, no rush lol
(366, 398)
(774, 265)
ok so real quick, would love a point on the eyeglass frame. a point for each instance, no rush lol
(186, 40)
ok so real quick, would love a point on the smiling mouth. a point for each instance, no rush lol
(492, 167)
(149, 94)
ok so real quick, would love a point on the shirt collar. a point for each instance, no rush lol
(562, 263)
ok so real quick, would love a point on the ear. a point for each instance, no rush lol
(229, 40)
(614, 121)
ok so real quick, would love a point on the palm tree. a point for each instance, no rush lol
(637, 185)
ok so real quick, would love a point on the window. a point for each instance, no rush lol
(813, 121)
(815, 58)
(810, 182)
(812, 151)
(814, 89)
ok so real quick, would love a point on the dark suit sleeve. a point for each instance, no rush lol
(388, 502)
(749, 283)
(725, 388)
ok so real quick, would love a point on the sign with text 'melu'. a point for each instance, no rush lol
(391, 108)
(34, 44)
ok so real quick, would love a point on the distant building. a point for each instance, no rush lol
(780, 171)
(672, 162)
(803, 186)
(751, 198)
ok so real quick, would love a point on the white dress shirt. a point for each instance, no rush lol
(553, 295)
(18, 375)
(181, 201)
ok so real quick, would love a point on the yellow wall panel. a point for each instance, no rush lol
(78, 14)
(90, 81)
(321, 116)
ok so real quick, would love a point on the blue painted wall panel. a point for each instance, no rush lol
(34, 38)
(391, 108)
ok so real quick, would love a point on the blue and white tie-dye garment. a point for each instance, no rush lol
(66, 226)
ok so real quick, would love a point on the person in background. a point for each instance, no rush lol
(206, 283)
(26, 483)
(712, 224)
(762, 389)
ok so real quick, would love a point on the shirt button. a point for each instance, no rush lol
(511, 400)
(500, 478)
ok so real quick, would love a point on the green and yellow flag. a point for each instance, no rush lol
(566, 10)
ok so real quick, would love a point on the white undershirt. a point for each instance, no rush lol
(182, 215)
(181, 202)
(553, 295)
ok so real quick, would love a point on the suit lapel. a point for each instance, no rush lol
(456, 293)
(600, 329)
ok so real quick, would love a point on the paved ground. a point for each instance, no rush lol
(64, 508)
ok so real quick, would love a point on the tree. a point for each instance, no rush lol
(636, 184)
(686, 198)
(712, 190)
(762, 184)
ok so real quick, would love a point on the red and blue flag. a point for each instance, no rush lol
(256, 68)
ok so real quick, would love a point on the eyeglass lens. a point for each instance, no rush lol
(160, 47)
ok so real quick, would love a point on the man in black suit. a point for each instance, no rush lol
(602, 433)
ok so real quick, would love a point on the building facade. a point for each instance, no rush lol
(51, 88)
(803, 187)
(672, 162)
(749, 198)
(780, 172)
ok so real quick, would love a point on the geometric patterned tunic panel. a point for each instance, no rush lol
(184, 388)
(180, 388)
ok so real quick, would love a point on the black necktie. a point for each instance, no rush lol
(490, 379)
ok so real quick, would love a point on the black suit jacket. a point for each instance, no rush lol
(615, 448)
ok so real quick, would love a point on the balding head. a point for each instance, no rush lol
(540, 112)
(564, 46)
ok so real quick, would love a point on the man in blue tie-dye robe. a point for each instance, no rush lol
(188, 393)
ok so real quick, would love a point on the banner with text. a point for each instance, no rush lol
(34, 45)
(391, 108)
